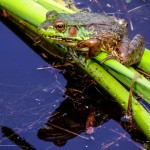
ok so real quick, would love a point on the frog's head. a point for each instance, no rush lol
(64, 28)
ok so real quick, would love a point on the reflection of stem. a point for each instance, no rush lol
(11, 135)
(69, 131)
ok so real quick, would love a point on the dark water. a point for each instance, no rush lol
(31, 98)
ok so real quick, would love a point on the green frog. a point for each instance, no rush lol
(93, 33)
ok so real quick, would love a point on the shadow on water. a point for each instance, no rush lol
(84, 108)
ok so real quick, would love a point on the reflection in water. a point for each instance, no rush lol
(66, 122)
(78, 113)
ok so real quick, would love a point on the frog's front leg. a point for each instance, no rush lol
(131, 52)
(91, 47)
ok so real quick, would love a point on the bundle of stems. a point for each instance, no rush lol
(29, 14)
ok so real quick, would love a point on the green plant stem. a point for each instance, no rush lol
(125, 75)
(52, 5)
(145, 61)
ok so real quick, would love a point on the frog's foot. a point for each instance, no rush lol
(70, 56)
(76, 56)
(72, 52)
(128, 118)
(82, 60)
(132, 52)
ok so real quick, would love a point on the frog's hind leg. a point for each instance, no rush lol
(132, 52)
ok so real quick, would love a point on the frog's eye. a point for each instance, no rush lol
(60, 26)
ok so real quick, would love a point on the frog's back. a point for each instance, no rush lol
(84, 18)
(98, 21)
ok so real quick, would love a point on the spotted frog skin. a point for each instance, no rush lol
(93, 33)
